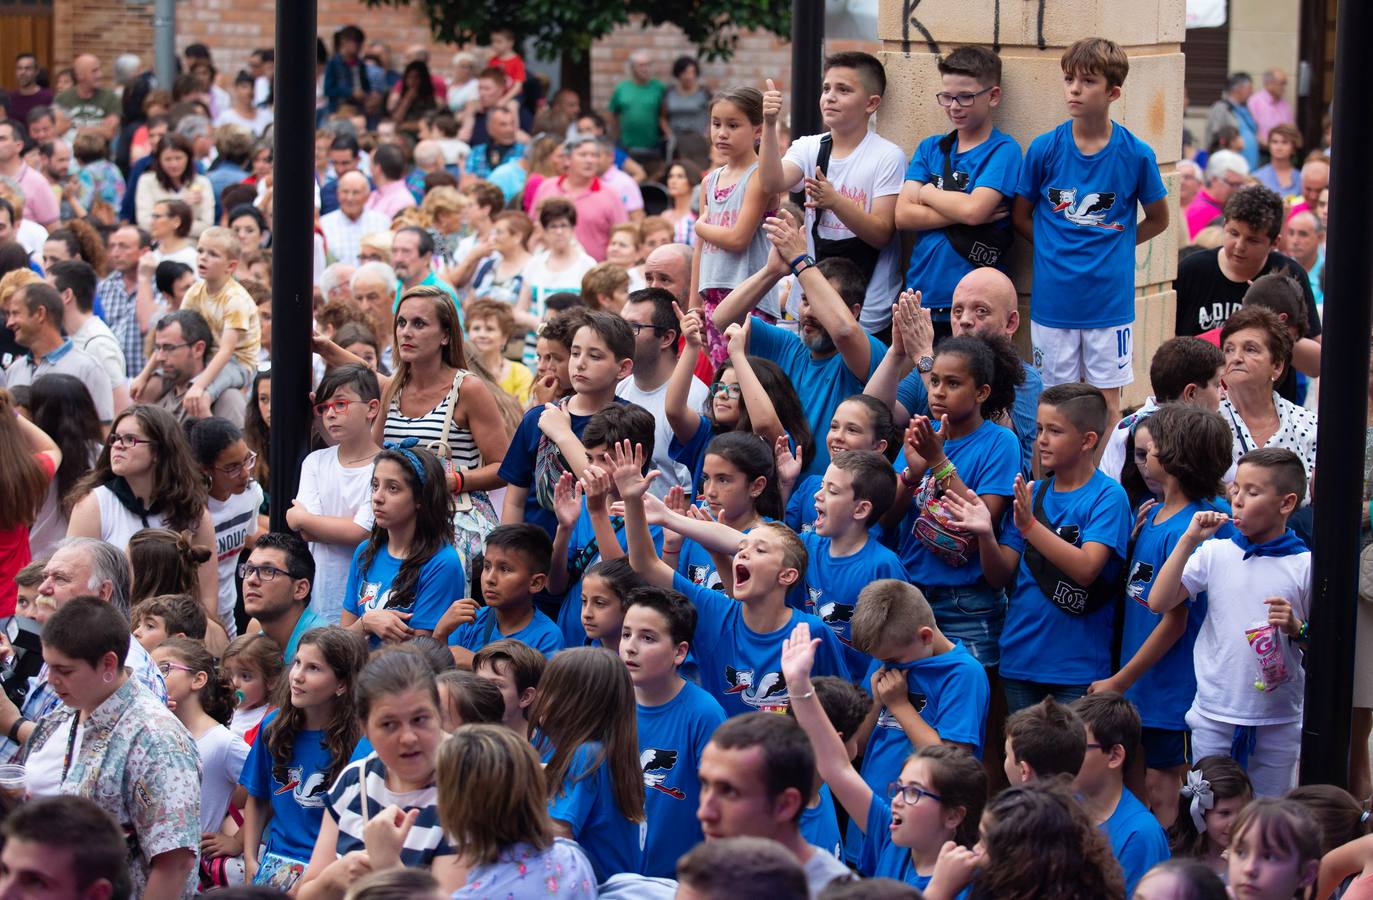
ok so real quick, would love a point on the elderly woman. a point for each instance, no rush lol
(434, 397)
(1258, 349)
(116, 744)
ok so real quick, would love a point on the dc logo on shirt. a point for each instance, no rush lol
(766, 693)
(705, 576)
(1089, 212)
(887, 720)
(308, 794)
(959, 182)
(1141, 575)
(657, 764)
(1070, 598)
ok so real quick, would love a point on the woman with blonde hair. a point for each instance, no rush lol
(492, 800)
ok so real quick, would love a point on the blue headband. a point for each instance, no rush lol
(403, 448)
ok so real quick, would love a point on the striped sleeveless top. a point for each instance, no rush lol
(429, 427)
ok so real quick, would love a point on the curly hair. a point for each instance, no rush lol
(345, 653)
(992, 360)
(1040, 843)
(433, 521)
(1257, 207)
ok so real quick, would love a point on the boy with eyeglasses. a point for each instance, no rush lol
(957, 184)
(332, 509)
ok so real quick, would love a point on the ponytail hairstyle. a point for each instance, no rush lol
(1221, 778)
(471, 699)
(748, 100)
(785, 401)
(165, 562)
(883, 423)
(216, 697)
(751, 455)
(586, 697)
(1341, 817)
(619, 575)
(958, 777)
(345, 652)
(992, 360)
(433, 516)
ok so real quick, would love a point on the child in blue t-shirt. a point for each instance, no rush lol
(902, 842)
(300, 750)
(676, 719)
(857, 489)
(972, 384)
(514, 569)
(926, 688)
(586, 530)
(1079, 189)
(859, 423)
(1137, 839)
(846, 707)
(958, 181)
(548, 439)
(582, 725)
(404, 576)
(1188, 456)
(738, 642)
(1071, 530)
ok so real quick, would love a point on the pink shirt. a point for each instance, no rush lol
(40, 203)
(1202, 211)
(389, 199)
(1268, 112)
(598, 210)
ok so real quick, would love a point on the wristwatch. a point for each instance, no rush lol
(924, 365)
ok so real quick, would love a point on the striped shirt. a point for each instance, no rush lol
(428, 428)
(346, 802)
(118, 303)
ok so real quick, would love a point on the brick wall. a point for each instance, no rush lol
(234, 28)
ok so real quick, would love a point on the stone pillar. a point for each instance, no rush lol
(1031, 35)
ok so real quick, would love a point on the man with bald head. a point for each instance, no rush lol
(345, 227)
(984, 303)
(87, 103)
(1302, 236)
(669, 267)
(1315, 177)
(1269, 106)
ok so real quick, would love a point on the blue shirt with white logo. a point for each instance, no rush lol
(297, 803)
(833, 583)
(586, 802)
(1085, 211)
(441, 582)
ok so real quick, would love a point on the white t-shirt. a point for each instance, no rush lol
(245, 720)
(328, 488)
(222, 755)
(235, 520)
(262, 117)
(95, 337)
(43, 769)
(656, 403)
(876, 168)
(1226, 666)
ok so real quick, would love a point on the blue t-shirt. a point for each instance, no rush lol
(1165, 692)
(1085, 210)
(540, 633)
(832, 585)
(441, 582)
(820, 824)
(694, 562)
(741, 668)
(672, 738)
(936, 267)
(800, 513)
(298, 803)
(951, 693)
(821, 383)
(517, 468)
(1137, 840)
(692, 453)
(586, 802)
(911, 394)
(987, 460)
(582, 553)
(1041, 642)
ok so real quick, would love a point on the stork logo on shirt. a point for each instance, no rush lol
(1141, 576)
(705, 576)
(373, 597)
(836, 615)
(308, 794)
(657, 763)
(1089, 211)
(768, 692)
(887, 720)
(959, 182)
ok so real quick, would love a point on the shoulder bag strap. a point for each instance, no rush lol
(947, 143)
(822, 162)
(441, 447)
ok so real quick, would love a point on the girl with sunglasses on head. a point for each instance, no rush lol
(234, 499)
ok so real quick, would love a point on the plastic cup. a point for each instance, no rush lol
(13, 778)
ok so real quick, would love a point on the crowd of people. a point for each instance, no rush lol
(681, 518)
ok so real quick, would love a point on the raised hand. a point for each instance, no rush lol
(1024, 505)
(890, 687)
(690, 324)
(596, 485)
(1205, 524)
(555, 422)
(628, 473)
(781, 230)
(798, 656)
(954, 870)
(736, 338)
(926, 441)
(772, 104)
(912, 321)
(788, 463)
(677, 500)
(967, 512)
(821, 192)
(459, 613)
(545, 390)
(567, 501)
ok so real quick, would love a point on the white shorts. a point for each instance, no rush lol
(1102, 357)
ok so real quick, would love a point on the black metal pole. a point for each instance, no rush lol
(807, 49)
(1343, 407)
(293, 252)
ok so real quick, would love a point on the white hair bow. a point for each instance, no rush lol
(1198, 790)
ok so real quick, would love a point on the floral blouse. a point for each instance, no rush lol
(139, 764)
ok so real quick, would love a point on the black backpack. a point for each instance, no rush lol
(1064, 592)
(981, 245)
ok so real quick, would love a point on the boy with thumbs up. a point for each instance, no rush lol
(851, 177)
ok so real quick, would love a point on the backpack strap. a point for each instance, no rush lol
(822, 162)
(946, 144)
